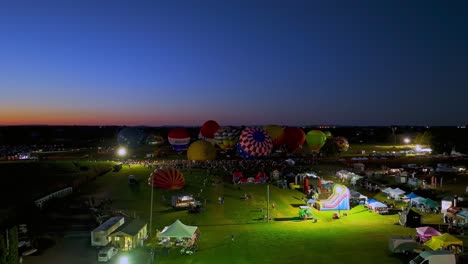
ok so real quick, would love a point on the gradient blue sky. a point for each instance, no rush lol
(237, 62)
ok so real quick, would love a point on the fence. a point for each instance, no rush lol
(58, 194)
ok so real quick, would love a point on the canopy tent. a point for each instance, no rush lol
(387, 190)
(395, 193)
(418, 200)
(178, 230)
(426, 232)
(412, 195)
(463, 214)
(443, 241)
(378, 206)
(430, 203)
(371, 201)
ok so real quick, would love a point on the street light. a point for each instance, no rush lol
(407, 140)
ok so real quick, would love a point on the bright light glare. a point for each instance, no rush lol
(417, 148)
(123, 260)
(121, 152)
(406, 140)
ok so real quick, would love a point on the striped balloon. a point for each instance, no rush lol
(167, 179)
(254, 142)
(227, 137)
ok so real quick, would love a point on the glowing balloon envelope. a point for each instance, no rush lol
(167, 179)
(201, 150)
(341, 144)
(316, 139)
(208, 130)
(294, 137)
(131, 137)
(179, 138)
(227, 137)
(154, 139)
(328, 134)
(254, 142)
(276, 134)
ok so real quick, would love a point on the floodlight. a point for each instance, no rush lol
(406, 140)
(121, 151)
(123, 260)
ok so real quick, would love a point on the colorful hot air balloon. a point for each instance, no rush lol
(208, 130)
(316, 139)
(294, 137)
(328, 134)
(167, 179)
(154, 139)
(179, 138)
(276, 134)
(254, 142)
(341, 144)
(227, 137)
(131, 137)
(201, 150)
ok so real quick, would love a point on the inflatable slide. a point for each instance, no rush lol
(339, 200)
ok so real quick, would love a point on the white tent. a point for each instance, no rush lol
(178, 230)
(387, 190)
(396, 193)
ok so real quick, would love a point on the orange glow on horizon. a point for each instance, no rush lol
(51, 116)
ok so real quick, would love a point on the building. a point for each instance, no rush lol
(122, 232)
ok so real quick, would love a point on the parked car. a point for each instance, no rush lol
(105, 254)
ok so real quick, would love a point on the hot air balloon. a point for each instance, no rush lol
(316, 139)
(294, 137)
(179, 138)
(201, 150)
(254, 142)
(154, 139)
(276, 134)
(328, 134)
(341, 144)
(131, 137)
(167, 179)
(227, 137)
(208, 130)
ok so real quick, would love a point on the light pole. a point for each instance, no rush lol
(394, 135)
(151, 204)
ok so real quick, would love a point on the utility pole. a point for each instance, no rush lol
(268, 202)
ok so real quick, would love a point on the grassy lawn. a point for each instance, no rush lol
(359, 237)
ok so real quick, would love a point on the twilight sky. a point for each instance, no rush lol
(237, 62)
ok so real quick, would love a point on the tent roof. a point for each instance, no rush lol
(463, 213)
(377, 205)
(430, 203)
(387, 190)
(411, 195)
(418, 199)
(178, 230)
(427, 231)
(397, 191)
(444, 240)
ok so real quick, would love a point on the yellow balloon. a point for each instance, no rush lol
(201, 150)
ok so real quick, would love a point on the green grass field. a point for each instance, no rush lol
(360, 237)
